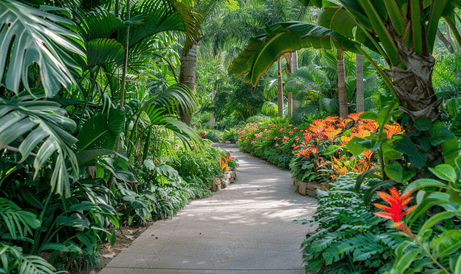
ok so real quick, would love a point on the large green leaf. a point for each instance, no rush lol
(101, 131)
(262, 51)
(104, 51)
(29, 35)
(40, 123)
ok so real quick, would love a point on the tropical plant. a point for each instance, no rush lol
(407, 48)
(349, 239)
(435, 247)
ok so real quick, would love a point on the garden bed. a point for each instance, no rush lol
(224, 181)
(308, 188)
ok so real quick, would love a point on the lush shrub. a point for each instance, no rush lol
(231, 134)
(198, 165)
(213, 135)
(349, 238)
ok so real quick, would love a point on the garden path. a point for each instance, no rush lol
(245, 228)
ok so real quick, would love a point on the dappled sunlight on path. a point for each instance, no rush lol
(245, 228)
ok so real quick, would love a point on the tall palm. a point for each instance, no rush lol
(407, 48)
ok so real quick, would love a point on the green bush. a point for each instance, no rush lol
(231, 134)
(198, 165)
(349, 238)
(213, 135)
(272, 146)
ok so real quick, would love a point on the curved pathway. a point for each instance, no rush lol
(245, 228)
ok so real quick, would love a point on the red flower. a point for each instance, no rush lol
(276, 145)
(396, 202)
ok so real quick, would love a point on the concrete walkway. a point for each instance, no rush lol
(245, 228)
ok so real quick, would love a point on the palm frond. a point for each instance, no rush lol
(178, 96)
(16, 220)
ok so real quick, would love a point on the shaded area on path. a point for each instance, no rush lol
(245, 228)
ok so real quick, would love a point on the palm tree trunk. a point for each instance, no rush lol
(342, 91)
(125, 69)
(212, 119)
(187, 75)
(445, 41)
(413, 85)
(280, 89)
(294, 61)
(359, 83)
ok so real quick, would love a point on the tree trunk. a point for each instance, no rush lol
(187, 76)
(294, 62)
(212, 119)
(449, 34)
(445, 41)
(359, 84)
(280, 89)
(290, 104)
(413, 85)
(342, 90)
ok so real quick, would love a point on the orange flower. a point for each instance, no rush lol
(331, 119)
(392, 129)
(307, 137)
(346, 139)
(319, 122)
(396, 202)
(368, 154)
(304, 153)
(330, 133)
(355, 116)
(223, 162)
(343, 122)
(313, 150)
(370, 125)
(360, 132)
(317, 129)
(343, 170)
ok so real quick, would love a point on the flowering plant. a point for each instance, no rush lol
(435, 248)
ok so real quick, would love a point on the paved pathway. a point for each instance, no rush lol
(245, 228)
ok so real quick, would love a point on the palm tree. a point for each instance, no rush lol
(407, 48)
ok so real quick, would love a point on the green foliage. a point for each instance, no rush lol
(27, 43)
(198, 166)
(213, 135)
(436, 245)
(27, 123)
(281, 154)
(231, 134)
(348, 237)
(12, 260)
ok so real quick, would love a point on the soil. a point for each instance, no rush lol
(125, 237)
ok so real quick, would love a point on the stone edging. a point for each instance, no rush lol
(308, 188)
(221, 183)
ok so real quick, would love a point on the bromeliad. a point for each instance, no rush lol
(394, 211)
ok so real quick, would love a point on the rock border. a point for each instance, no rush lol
(224, 181)
(308, 188)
